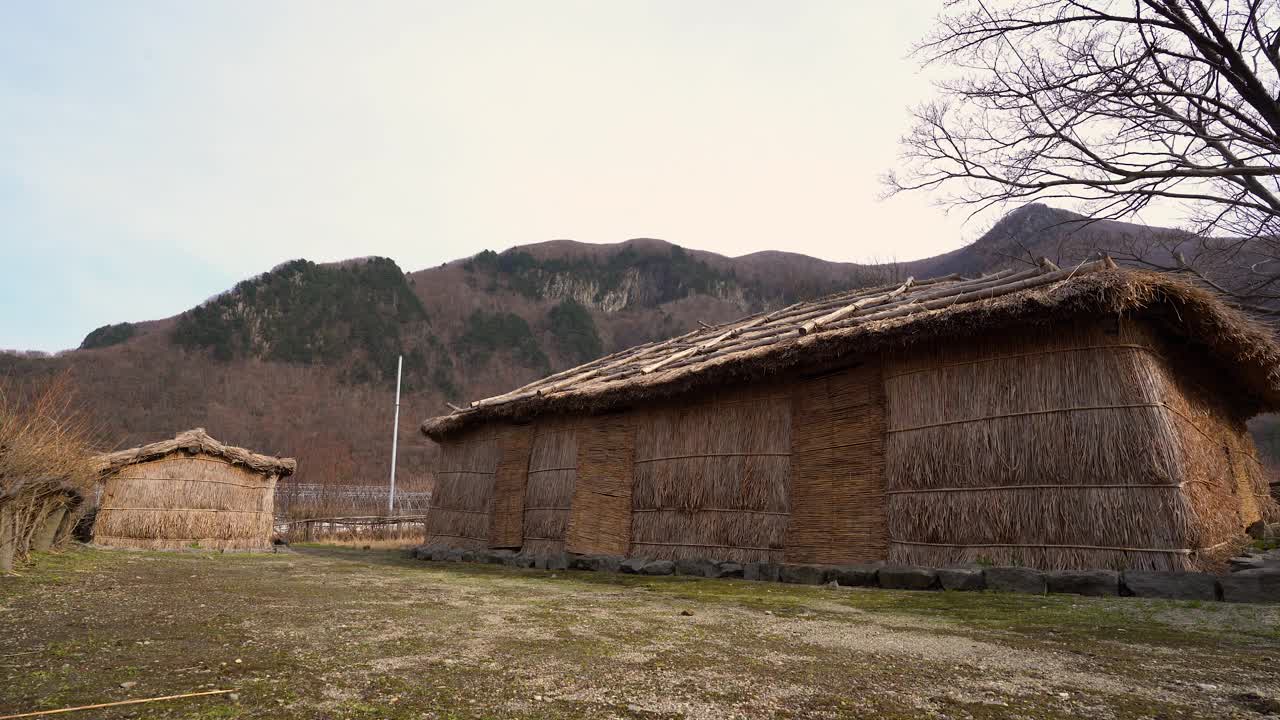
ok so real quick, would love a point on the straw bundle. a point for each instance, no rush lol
(1054, 449)
(1222, 477)
(461, 509)
(549, 493)
(837, 468)
(186, 501)
(600, 521)
(506, 528)
(712, 479)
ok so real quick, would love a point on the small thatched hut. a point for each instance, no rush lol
(191, 491)
(1083, 417)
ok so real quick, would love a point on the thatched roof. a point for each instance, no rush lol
(196, 441)
(858, 322)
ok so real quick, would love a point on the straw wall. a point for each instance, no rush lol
(549, 492)
(1052, 448)
(1221, 475)
(181, 501)
(507, 524)
(462, 505)
(600, 522)
(837, 468)
(712, 479)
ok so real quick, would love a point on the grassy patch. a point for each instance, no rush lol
(342, 632)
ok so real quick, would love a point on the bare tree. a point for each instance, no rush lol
(1115, 105)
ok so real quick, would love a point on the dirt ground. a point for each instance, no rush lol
(335, 632)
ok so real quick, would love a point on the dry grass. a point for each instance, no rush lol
(45, 467)
(348, 634)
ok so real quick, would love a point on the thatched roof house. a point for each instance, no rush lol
(191, 491)
(1082, 417)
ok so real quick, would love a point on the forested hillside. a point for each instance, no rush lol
(301, 360)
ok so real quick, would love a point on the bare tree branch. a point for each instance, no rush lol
(1118, 106)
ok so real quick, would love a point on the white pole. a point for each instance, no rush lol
(395, 436)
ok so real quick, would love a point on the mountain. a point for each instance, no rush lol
(300, 360)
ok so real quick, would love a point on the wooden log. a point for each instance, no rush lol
(848, 310)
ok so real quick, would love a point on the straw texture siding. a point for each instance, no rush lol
(462, 505)
(1050, 449)
(549, 495)
(179, 501)
(507, 528)
(600, 522)
(1221, 476)
(837, 468)
(713, 479)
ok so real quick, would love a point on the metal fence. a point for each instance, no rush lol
(298, 500)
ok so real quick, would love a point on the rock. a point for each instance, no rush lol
(633, 566)
(658, 567)
(469, 556)
(129, 684)
(965, 579)
(1170, 585)
(557, 561)
(605, 563)
(802, 574)
(765, 571)
(1015, 579)
(580, 562)
(1251, 586)
(499, 557)
(855, 575)
(1246, 562)
(907, 577)
(727, 570)
(439, 553)
(1099, 583)
(1257, 530)
(523, 560)
(454, 555)
(695, 567)
(686, 613)
(233, 697)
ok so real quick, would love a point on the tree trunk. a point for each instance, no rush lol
(43, 539)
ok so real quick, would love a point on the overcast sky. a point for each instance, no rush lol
(154, 153)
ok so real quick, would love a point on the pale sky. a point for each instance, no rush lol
(154, 153)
